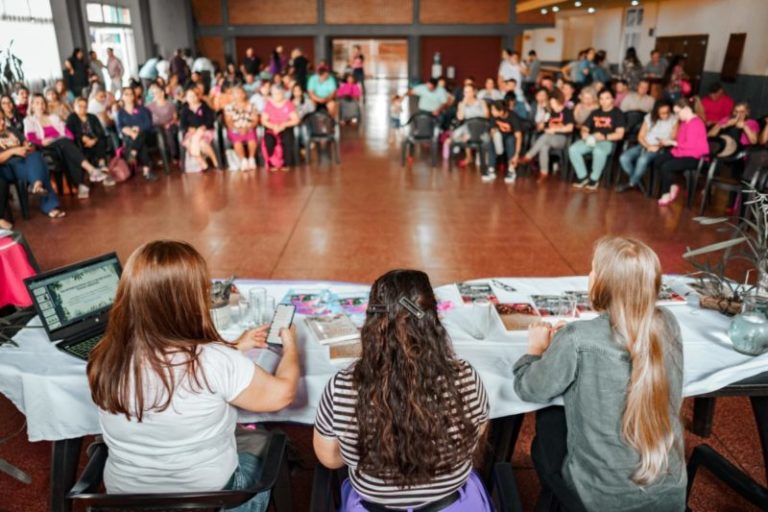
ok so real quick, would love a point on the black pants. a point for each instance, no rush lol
(668, 167)
(4, 194)
(96, 153)
(171, 138)
(757, 160)
(550, 446)
(137, 147)
(72, 158)
(287, 140)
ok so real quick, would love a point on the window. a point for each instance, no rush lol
(633, 28)
(109, 14)
(26, 26)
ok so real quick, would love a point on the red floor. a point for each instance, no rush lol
(352, 223)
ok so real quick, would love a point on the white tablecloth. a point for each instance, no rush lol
(51, 389)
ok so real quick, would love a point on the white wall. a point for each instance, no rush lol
(170, 25)
(720, 19)
(577, 31)
(548, 43)
(607, 32)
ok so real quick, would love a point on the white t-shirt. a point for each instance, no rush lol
(190, 446)
(661, 130)
(508, 71)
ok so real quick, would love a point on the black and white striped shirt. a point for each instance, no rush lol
(337, 419)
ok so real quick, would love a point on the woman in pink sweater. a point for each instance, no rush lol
(691, 144)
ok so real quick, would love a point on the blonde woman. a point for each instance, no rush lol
(587, 103)
(621, 379)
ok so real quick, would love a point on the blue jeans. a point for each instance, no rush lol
(635, 161)
(510, 145)
(599, 151)
(245, 476)
(28, 170)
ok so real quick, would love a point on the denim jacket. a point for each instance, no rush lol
(590, 367)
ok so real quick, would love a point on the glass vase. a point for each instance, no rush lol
(749, 329)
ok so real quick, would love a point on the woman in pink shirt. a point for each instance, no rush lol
(739, 126)
(279, 117)
(349, 89)
(49, 131)
(691, 144)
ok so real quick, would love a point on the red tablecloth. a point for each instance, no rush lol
(14, 268)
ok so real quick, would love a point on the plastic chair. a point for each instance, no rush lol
(350, 109)
(323, 129)
(478, 131)
(215, 144)
(733, 186)
(706, 456)
(634, 121)
(274, 477)
(22, 195)
(326, 489)
(424, 129)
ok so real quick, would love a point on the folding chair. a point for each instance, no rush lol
(323, 129)
(424, 129)
(478, 129)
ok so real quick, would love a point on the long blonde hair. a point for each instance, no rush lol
(626, 283)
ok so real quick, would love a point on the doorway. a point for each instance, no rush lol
(384, 58)
(693, 48)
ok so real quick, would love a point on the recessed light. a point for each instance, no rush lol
(635, 2)
(544, 11)
(555, 9)
(577, 3)
(591, 10)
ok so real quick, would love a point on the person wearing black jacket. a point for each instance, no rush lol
(89, 134)
(196, 121)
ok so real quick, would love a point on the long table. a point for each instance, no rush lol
(51, 389)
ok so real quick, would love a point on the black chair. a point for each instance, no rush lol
(215, 144)
(478, 129)
(692, 175)
(274, 477)
(730, 185)
(424, 129)
(326, 486)
(351, 110)
(22, 195)
(562, 155)
(323, 129)
(706, 456)
(634, 121)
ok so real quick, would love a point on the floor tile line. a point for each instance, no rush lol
(293, 230)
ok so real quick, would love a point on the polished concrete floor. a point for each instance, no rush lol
(353, 222)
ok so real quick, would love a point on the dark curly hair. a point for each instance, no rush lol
(411, 416)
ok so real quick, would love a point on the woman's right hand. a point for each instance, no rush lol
(289, 338)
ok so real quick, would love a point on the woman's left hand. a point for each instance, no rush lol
(539, 337)
(253, 338)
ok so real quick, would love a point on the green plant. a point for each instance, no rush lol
(748, 243)
(11, 71)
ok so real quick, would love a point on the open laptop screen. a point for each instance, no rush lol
(72, 294)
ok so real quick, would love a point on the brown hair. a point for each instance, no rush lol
(160, 317)
(627, 279)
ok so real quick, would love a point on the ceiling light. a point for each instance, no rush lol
(544, 11)
(577, 3)
(635, 2)
(591, 10)
(555, 9)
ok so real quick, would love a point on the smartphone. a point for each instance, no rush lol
(282, 319)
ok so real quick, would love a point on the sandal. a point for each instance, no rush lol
(57, 214)
(37, 189)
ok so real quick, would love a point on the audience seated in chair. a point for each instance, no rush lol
(469, 107)
(586, 105)
(349, 89)
(134, 124)
(658, 126)
(241, 119)
(738, 126)
(196, 122)
(279, 118)
(50, 132)
(619, 443)
(432, 100)
(173, 430)
(13, 119)
(56, 105)
(165, 120)
(89, 134)
(599, 134)
(20, 163)
(557, 130)
(717, 104)
(490, 93)
(404, 448)
(506, 139)
(21, 99)
(639, 99)
(322, 90)
(690, 144)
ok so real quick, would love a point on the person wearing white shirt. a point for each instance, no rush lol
(511, 68)
(163, 67)
(115, 71)
(167, 386)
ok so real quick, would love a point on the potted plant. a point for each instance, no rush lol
(11, 72)
(748, 243)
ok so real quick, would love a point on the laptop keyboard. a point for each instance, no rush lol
(83, 348)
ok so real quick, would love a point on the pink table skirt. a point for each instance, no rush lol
(14, 268)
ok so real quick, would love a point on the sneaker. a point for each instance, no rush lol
(109, 181)
(83, 192)
(488, 175)
(97, 176)
(592, 185)
(581, 183)
(624, 188)
(510, 176)
(244, 164)
(150, 176)
(252, 164)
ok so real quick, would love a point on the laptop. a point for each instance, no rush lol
(73, 302)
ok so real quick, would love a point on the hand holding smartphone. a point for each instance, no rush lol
(282, 319)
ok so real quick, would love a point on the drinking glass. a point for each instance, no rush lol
(749, 329)
(482, 317)
(268, 310)
(255, 307)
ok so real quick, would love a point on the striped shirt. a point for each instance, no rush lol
(337, 419)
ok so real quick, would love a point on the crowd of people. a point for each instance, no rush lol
(408, 417)
(584, 109)
(96, 121)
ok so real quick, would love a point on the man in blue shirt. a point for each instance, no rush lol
(432, 99)
(322, 89)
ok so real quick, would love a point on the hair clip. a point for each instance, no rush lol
(411, 307)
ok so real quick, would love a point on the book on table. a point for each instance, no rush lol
(470, 292)
(330, 329)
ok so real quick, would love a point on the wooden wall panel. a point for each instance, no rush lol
(270, 12)
(535, 17)
(368, 11)
(476, 56)
(213, 48)
(464, 12)
(207, 12)
(263, 46)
